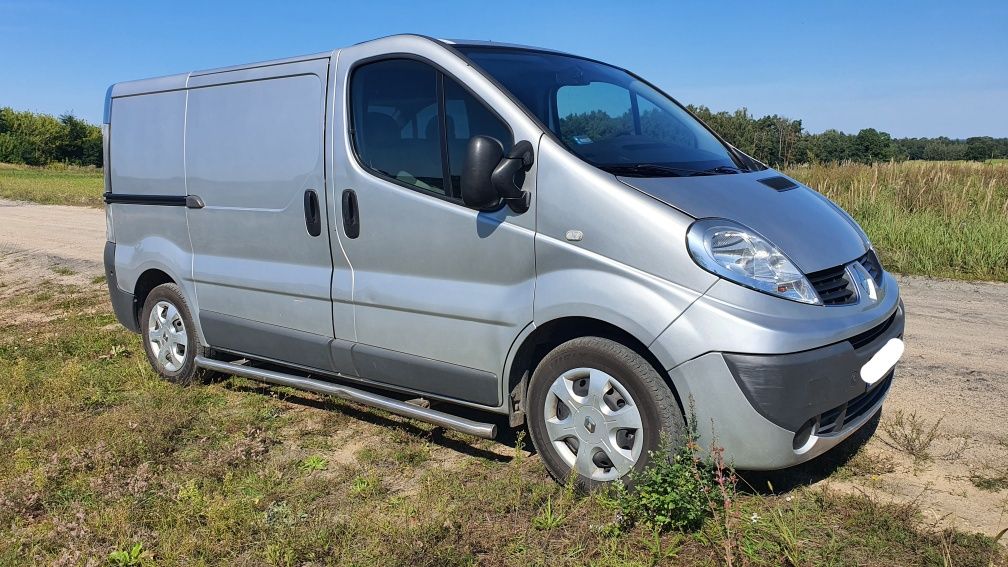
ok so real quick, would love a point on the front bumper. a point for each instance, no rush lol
(772, 411)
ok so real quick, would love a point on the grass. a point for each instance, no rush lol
(66, 185)
(101, 462)
(941, 219)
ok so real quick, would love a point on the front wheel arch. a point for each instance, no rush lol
(551, 334)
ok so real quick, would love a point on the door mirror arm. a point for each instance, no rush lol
(509, 176)
(489, 176)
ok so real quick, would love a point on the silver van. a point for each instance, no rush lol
(421, 225)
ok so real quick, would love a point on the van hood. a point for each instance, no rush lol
(813, 232)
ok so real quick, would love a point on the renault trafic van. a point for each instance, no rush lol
(410, 221)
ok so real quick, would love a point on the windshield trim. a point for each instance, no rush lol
(743, 161)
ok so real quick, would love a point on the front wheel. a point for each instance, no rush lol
(598, 409)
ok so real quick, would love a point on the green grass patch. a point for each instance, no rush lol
(68, 185)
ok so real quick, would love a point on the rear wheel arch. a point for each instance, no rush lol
(147, 281)
(546, 337)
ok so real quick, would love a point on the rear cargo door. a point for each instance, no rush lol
(262, 264)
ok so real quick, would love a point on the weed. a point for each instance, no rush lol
(993, 483)
(910, 434)
(673, 492)
(63, 270)
(313, 463)
(661, 553)
(279, 555)
(547, 518)
(365, 485)
(129, 557)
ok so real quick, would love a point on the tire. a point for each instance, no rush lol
(604, 382)
(170, 339)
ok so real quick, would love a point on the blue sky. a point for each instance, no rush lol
(910, 68)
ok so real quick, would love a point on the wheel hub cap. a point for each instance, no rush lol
(166, 336)
(594, 424)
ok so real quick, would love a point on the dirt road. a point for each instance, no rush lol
(954, 369)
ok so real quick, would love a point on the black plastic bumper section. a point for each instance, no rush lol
(123, 302)
(790, 389)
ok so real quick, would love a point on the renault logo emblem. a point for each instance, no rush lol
(868, 290)
(589, 425)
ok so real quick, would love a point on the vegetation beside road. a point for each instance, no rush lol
(56, 185)
(940, 219)
(99, 459)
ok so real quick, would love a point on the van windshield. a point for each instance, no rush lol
(606, 116)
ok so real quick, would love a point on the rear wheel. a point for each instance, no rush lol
(597, 409)
(169, 335)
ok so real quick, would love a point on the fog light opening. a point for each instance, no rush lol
(803, 437)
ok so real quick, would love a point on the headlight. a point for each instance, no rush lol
(739, 254)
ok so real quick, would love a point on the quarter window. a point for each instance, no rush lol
(411, 123)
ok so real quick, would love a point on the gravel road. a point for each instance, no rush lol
(954, 367)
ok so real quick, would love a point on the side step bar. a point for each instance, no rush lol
(446, 420)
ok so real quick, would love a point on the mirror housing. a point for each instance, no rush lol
(489, 176)
(483, 155)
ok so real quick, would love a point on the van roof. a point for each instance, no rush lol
(179, 81)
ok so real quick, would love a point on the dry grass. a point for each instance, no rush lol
(946, 219)
(100, 461)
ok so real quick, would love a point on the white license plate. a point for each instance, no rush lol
(883, 361)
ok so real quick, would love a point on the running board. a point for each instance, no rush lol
(405, 409)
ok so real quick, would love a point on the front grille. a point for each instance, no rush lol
(832, 421)
(860, 340)
(871, 263)
(833, 286)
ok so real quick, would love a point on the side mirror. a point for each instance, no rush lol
(489, 176)
(483, 155)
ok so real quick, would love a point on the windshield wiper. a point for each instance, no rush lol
(719, 170)
(644, 169)
(658, 170)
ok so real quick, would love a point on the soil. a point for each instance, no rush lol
(954, 369)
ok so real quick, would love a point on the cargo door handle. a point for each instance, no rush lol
(351, 214)
(312, 214)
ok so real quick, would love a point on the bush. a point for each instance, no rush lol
(41, 139)
(678, 490)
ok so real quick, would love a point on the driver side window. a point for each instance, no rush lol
(412, 124)
(396, 130)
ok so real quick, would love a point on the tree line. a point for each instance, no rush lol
(42, 139)
(778, 140)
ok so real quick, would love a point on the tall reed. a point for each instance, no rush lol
(946, 219)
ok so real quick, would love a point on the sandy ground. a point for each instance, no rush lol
(954, 369)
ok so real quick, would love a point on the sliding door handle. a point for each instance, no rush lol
(351, 214)
(312, 213)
